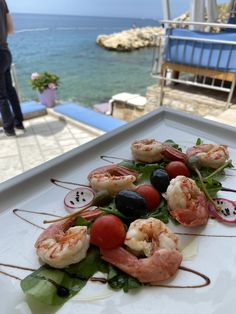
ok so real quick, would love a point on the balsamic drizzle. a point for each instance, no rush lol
(206, 279)
(227, 189)
(16, 210)
(106, 158)
(14, 266)
(58, 183)
(205, 235)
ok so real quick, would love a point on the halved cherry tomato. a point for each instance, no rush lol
(177, 168)
(150, 194)
(107, 232)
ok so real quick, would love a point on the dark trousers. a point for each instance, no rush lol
(9, 102)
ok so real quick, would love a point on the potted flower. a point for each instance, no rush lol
(46, 84)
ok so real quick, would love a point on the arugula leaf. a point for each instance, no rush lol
(212, 185)
(111, 209)
(173, 144)
(88, 266)
(119, 280)
(80, 221)
(130, 164)
(161, 212)
(199, 141)
(146, 171)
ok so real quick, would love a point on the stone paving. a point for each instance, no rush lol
(198, 101)
(45, 138)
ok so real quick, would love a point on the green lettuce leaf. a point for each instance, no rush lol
(47, 284)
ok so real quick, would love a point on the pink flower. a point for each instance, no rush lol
(34, 76)
(52, 86)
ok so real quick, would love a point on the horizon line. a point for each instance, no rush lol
(100, 16)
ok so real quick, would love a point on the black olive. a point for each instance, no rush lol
(160, 180)
(63, 292)
(131, 204)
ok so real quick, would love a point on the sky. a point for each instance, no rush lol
(112, 8)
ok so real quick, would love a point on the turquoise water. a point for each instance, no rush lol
(66, 45)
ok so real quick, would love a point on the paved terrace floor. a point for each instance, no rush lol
(45, 138)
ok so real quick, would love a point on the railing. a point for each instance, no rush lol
(205, 62)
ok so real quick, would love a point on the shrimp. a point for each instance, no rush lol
(210, 155)
(147, 150)
(152, 239)
(150, 150)
(112, 178)
(62, 244)
(186, 202)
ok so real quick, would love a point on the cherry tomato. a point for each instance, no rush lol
(107, 232)
(177, 168)
(150, 194)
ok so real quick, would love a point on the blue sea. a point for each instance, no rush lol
(66, 46)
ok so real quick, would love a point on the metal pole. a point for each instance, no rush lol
(212, 11)
(166, 10)
(197, 11)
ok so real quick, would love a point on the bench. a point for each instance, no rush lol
(89, 117)
(31, 109)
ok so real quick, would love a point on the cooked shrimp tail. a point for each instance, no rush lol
(112, 178)
(186, 202)
(61, 244)
(210, 155)
(162, 265)
(152, 239)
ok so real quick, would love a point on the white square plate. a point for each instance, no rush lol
(214, 255)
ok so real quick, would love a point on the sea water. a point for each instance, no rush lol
(66, 46)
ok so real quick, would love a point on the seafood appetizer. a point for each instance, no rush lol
(118, 222)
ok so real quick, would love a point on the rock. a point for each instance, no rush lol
(137, 38)
(129, 40)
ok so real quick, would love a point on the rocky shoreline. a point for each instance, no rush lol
(137, 38)
(129, 40)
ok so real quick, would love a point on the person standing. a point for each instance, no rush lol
(10, 109)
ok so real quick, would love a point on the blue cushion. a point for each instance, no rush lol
(89, 117)
(215, 56)
(30, 107)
